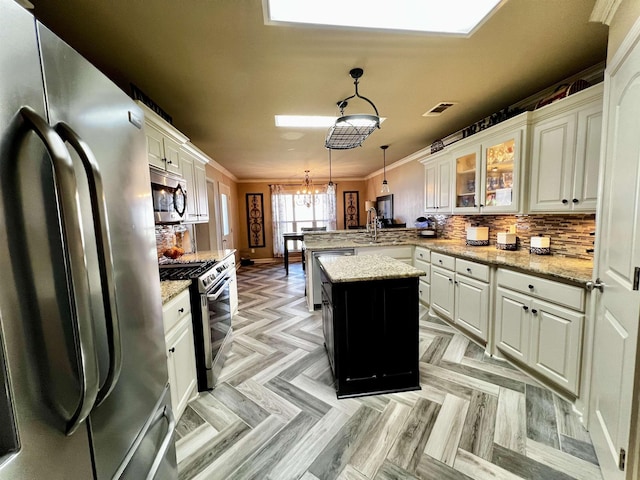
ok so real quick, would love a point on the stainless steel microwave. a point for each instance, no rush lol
(169, 194)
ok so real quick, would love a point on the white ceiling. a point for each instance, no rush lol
(222, 74)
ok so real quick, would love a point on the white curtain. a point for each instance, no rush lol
(278, 218)
(283, 210)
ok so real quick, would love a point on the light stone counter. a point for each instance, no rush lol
(363, 268)
(558, 267)
(172, 288)
(200, 256)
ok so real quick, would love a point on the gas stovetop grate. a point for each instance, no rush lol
(185, 271)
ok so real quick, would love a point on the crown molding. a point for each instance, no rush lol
(604, 10)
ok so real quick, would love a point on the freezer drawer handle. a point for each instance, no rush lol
(105, 258)
(73, 241)
(166, 443)
(163, 412)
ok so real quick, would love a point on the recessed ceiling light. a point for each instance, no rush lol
(436, 16)
(307, 121)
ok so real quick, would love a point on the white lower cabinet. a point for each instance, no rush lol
(442, 292)
(460, 293)
(541, 335)
(422, 261)
(181, 357)
(472, 306)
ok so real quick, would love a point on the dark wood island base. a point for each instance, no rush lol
(371, 334)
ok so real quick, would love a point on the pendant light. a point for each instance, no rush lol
(331, 187)
(350, 131)
(385, 184)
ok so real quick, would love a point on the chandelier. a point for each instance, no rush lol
(307, 194)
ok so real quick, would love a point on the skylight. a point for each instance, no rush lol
(307, 121)
(435, 16)
(311, 121)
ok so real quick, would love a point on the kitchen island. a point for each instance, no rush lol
(370, 323)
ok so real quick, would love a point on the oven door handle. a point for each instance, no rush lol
(218, 289)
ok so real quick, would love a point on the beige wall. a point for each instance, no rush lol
(406, 183)
(626, 15)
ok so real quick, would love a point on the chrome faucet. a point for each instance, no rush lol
(372, 220)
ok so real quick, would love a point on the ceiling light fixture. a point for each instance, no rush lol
(304, 121)
(331, 187)
(306, 195)
(350, 131)
(452, 17)
(385, 184)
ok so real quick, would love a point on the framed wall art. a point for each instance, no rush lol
(351, 209)
(255, 220)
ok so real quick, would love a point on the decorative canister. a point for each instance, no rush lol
(540, 245)
(478, 236)
(506, 241)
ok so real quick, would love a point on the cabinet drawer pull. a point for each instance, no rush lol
(530, 287)
(525, 308)
(451, 280)
(565, 201)
(469, 270)
(172, 349)
(440, 262)
(456, 282)
(181, 310)
(575, 200)
(534, 311)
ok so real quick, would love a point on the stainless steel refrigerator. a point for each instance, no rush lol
(83, 373)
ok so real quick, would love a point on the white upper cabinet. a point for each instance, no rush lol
(437, 186)
(193, 165)
(488, 169)
(163, 142)
(565, 154)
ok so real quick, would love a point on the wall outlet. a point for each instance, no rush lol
(253, 250)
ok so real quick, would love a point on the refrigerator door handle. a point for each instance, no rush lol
(73, 240)
(105, 258)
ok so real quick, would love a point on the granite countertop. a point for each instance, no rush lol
(200, 256)
(558, 267)
(353, 268)
(172, 288)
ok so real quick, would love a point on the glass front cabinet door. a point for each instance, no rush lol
(467, 174)
(487, 173)
(501, 162)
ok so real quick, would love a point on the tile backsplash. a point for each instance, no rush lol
(569, 234)
(173, 235)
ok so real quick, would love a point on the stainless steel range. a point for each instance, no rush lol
(210, 311)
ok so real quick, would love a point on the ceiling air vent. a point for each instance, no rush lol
(438, 109)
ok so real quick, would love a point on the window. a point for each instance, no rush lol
(291, 214)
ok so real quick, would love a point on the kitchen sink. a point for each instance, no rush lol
(366, 242)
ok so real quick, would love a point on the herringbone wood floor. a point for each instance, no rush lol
(274, 415)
